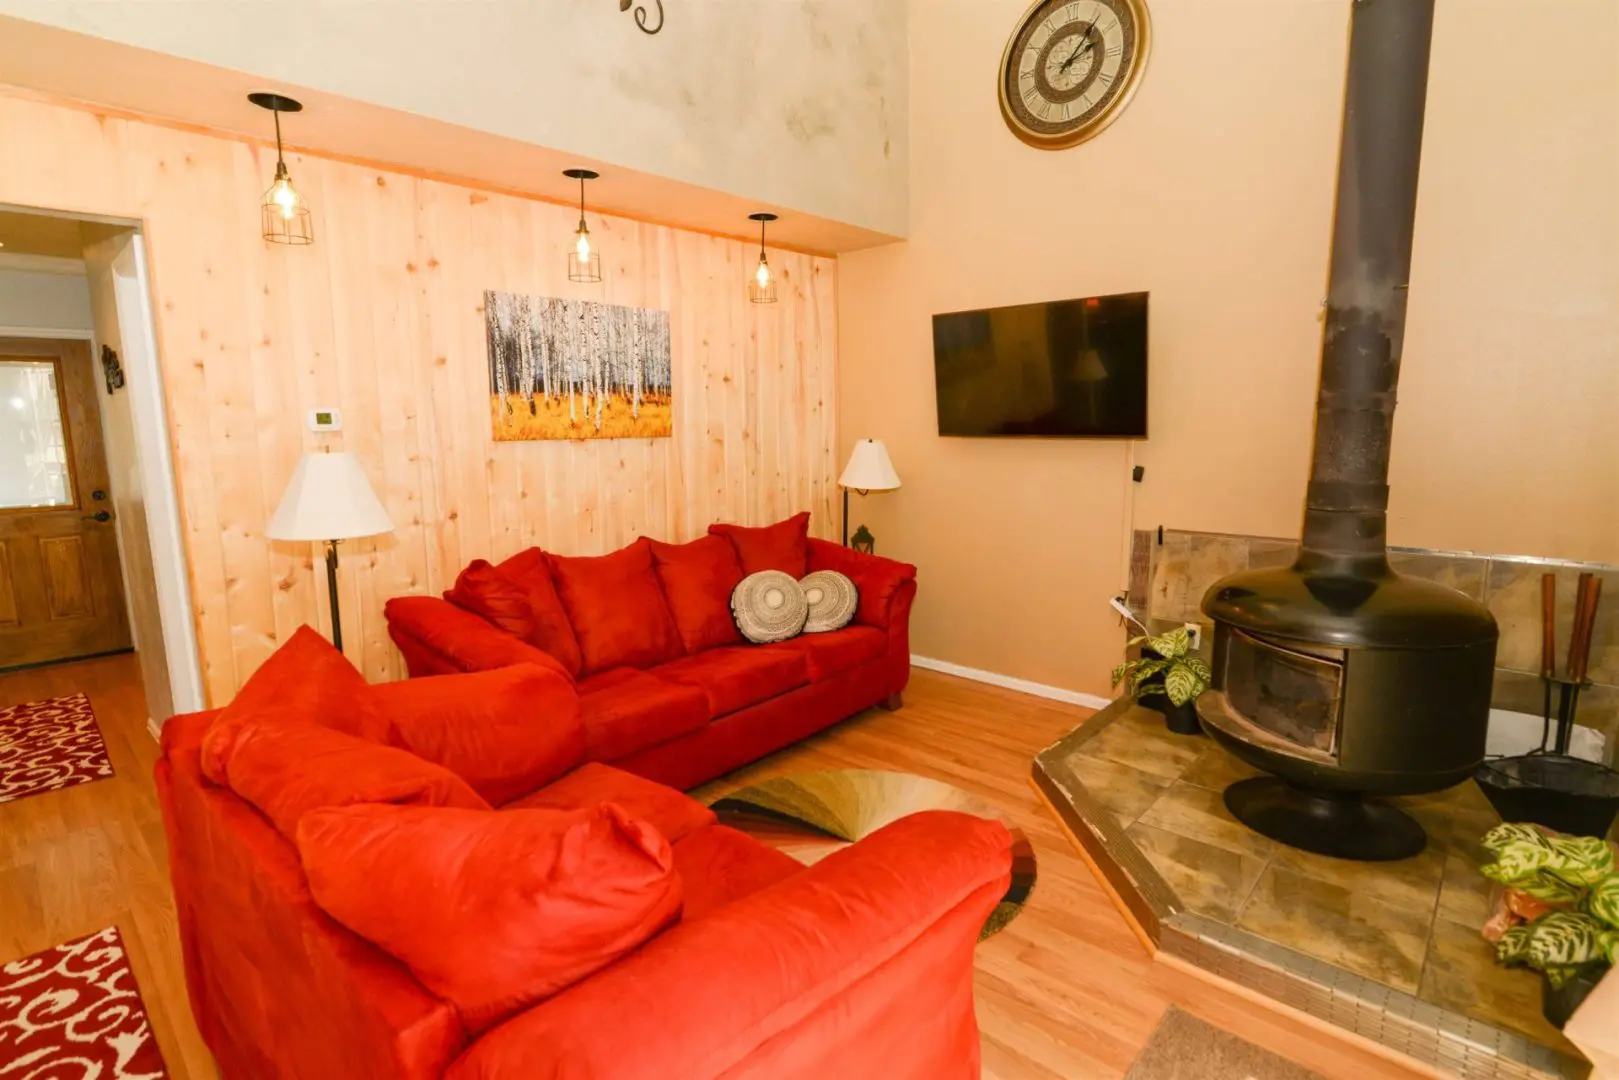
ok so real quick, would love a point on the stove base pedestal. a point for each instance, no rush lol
(1337, 824)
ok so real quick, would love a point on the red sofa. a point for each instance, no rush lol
(666, 686)
(859, 966)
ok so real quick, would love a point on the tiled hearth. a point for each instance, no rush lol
(1391, 951)
(1168, 580)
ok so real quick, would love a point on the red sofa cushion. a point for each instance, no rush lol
(306, 680)
(624, 710)
(288, 770)
(783, 546)
(835, 652)
(492, 912)
(718, 864)
(617, 608)
(812, 977)
(505, 732)
(737, 676)
(698, 579)
(553, 633)
(494, 597)
(672, 813)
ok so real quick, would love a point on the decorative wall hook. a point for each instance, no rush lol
(641, 16)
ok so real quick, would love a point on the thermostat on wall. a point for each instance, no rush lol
(324, 418)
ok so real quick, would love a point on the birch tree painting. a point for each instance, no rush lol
(576, 369)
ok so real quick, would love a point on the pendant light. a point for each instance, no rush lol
(585, 264)
(284, 214)
(762, 285)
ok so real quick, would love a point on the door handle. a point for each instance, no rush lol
(99, 515)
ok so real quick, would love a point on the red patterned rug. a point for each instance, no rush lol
(74, 1013)
(46, 745)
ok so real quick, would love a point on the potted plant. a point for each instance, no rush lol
(1165, 667)
(1558, 913)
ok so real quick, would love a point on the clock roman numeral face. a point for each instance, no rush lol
(1070, 66)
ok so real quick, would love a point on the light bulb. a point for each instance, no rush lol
(582, 246)
(762, 275)
(285, 196)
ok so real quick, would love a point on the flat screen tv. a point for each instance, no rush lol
(1065, 369)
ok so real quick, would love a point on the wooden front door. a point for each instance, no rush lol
(61, 591)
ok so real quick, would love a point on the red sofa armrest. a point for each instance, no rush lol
(438, 638)
(879, 580)
(860, 965)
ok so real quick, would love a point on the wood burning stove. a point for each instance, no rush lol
(1337, 675)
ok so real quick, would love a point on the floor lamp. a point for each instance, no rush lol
(329, 500)
(868, 470)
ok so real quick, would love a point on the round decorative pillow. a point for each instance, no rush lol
(769, 606)
(832, 599)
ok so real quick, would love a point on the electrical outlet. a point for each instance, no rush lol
(1195, 632)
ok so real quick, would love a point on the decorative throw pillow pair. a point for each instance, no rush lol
(771, 606)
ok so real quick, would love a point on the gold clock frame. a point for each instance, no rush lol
(1100, 123)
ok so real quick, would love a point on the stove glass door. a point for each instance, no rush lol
(1294, 695)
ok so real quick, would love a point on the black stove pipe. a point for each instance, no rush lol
(1346, 508)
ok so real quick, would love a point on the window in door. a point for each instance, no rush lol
(36, 471)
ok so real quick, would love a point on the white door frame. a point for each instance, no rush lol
(164, 528)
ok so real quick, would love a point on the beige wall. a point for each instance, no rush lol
(382, 318)
(793, 103)
(1214, 192)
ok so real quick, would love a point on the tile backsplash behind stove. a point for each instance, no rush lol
(1168, 580)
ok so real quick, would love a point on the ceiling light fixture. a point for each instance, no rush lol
(585, 264)
(762, 285)
(283, 213)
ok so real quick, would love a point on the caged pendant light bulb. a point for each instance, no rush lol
(585, 264)
(284, 215)
(762, 286)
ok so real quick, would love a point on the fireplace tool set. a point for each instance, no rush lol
(1548, 786)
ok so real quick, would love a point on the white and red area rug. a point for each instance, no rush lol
(74, 1013)
(47, 745)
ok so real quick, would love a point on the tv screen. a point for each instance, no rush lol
(1066, 369)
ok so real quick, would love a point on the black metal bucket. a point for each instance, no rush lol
(1567, 794)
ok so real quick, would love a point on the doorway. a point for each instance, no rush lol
(91, 553)
(61, 581)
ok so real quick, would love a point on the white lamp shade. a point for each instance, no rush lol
(869, 468)
(328, 498)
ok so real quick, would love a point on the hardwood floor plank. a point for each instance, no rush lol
(1064, 993)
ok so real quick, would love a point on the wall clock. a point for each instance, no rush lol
(1071, 67)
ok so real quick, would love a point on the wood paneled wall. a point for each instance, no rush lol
(382, 318)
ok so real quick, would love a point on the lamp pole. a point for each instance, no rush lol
(331, 592)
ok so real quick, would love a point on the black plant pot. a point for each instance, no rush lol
(1559, 1005)
(1158, 702)
(1181, 719)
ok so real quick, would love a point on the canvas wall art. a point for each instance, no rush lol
(577, 369)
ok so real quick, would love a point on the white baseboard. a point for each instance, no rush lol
(1022, 686)
(154, 730)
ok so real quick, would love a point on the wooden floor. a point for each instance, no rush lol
(1064, 993)
(84, 858)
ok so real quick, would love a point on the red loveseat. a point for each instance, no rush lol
(406, 957)
(667, 687)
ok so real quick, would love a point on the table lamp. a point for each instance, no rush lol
(868, 470)
(329, 499)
